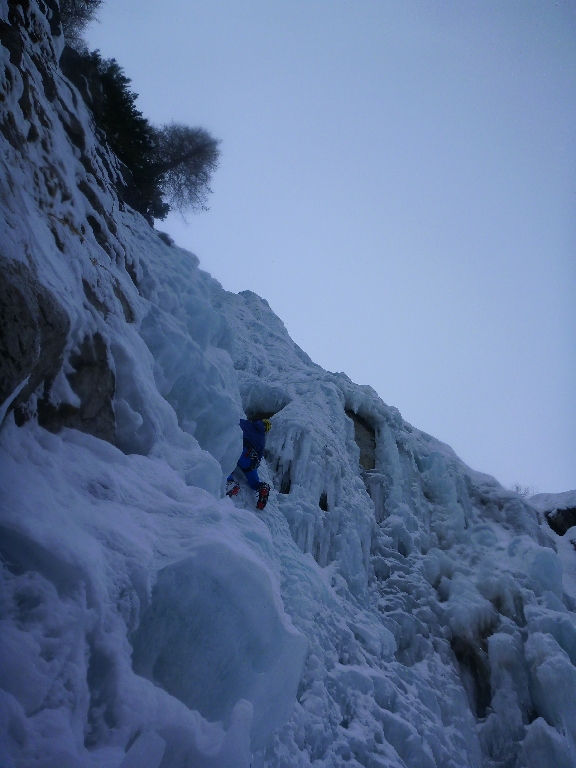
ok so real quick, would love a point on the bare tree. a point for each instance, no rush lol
(524, 490)
(185, 161)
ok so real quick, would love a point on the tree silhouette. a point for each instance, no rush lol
(186, 160)
(170, 166)
(75, 15)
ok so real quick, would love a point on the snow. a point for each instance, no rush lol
(547, 502)
(9, 400)
(412, 615)
(88, 527)
(146, 752)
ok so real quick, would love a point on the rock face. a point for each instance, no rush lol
(561, 520)
(558, 508)
(93, 382)
(391, 608)
(33, 332)
(365, 437)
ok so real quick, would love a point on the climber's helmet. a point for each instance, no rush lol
(267, 424)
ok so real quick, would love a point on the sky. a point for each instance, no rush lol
(398, 180)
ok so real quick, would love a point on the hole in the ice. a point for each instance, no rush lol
(365, 437)
(101, 679)
(282, 478)
(561, 520)
(323, 503)
(402, 549)
(255, 415)
(285, 483)
(474, 673)
(443, 591)
(345, 723)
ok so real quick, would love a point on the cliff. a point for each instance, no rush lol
(390, 607)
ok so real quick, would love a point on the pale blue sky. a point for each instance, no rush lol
(398, 180)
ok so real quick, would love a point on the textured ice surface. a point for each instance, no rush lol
(391, 608)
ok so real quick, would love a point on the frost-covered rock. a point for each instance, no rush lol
(559, 509)
(391, 607)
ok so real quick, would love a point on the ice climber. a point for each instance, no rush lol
(254, 433)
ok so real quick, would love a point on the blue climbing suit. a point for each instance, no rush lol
(254, 433)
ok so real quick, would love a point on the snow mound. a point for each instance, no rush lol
(220, 602)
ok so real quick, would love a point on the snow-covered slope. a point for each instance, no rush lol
(390, 608)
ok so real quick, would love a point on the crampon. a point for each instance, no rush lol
(232, 488)
(263, 493)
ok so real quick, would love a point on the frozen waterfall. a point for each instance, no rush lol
(391, 608)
